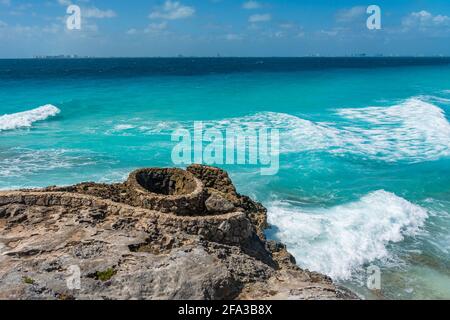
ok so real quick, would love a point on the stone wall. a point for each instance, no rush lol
(167, 190)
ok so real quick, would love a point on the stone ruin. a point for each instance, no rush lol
(173, 199)
(127, 230)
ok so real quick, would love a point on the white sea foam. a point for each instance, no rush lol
(337, 241)
(122, 127)
(160, 127)
(19, 162)
(413, 131)
(146, 127)
(436, 99)
(297, 134)
(27, 118)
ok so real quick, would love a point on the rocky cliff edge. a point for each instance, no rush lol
(162, 234)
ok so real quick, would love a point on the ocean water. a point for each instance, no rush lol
(364, 174)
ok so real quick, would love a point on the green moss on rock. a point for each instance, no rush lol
(105, 275)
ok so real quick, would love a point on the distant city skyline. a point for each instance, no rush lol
(229, 28)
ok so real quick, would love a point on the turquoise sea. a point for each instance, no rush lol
(365, 147)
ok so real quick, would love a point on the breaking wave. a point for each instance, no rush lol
(338, 241)
(26, 119)
(413, 131)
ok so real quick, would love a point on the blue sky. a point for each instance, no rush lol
(226, 27)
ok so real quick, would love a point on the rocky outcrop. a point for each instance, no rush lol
(162, 234)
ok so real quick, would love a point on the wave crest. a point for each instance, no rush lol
(26, 119)
(337, 241)
(412, 131)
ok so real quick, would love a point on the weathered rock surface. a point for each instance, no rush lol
(162, 234)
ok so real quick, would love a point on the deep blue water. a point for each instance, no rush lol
(364, 173)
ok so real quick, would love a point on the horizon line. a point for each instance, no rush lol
(80, 57)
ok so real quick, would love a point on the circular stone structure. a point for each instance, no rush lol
(172, 200)
(167, 190)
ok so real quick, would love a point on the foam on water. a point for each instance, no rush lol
(436, 99)
(20, 162)
(122, 127)
(413, 131)
(297, 134)
(133, 127)
(27, 118)
(337, 241)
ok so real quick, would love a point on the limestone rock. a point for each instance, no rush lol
(162, 234)
(218, 203)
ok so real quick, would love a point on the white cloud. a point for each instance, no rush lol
(336, 31)
(65, 2)
(155, 28)
(91, 12)
(251, 5)
(54, 28)
(5, 2)
(172, 10)
(260, 18)
(97, 13)
(132, 31)
(424, 20)
(3, 24)
(31, 31)
(90, 28)
(20, 9)
(348, 15)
